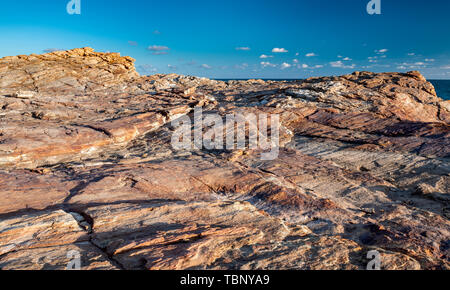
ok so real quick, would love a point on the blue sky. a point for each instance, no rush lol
(241, 38)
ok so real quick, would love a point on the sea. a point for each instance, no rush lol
(442, 86)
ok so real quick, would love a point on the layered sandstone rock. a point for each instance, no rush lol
(87, 166)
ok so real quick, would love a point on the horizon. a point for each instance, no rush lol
(241, 40)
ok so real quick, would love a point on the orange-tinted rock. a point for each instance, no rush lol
(20, 189)
(87, 165)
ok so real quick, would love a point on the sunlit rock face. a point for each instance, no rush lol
(87, 165)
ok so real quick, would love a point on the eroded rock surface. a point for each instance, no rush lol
(87, 166)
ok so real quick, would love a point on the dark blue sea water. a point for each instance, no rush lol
(442, 88)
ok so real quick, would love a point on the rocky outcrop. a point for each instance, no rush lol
(87, 167)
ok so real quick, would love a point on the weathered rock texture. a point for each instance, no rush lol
(86, 165)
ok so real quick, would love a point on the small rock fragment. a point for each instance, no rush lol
(24, 94)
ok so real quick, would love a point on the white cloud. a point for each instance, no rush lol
(241, 66)
(285, 65)
(306, 66)
(263, 56)
(206, 66)
(429, 59)
(336, 63)
(415, 65)
(311, 54)
(297, 54)
(244, 48)
(381, 51)
(295, 60)
(411, 54)
(279, 50)
(340, 64)
(158, 49)
(171, 66)
(267, 64)
(372, 59)
(446, 67)
(347, 59)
